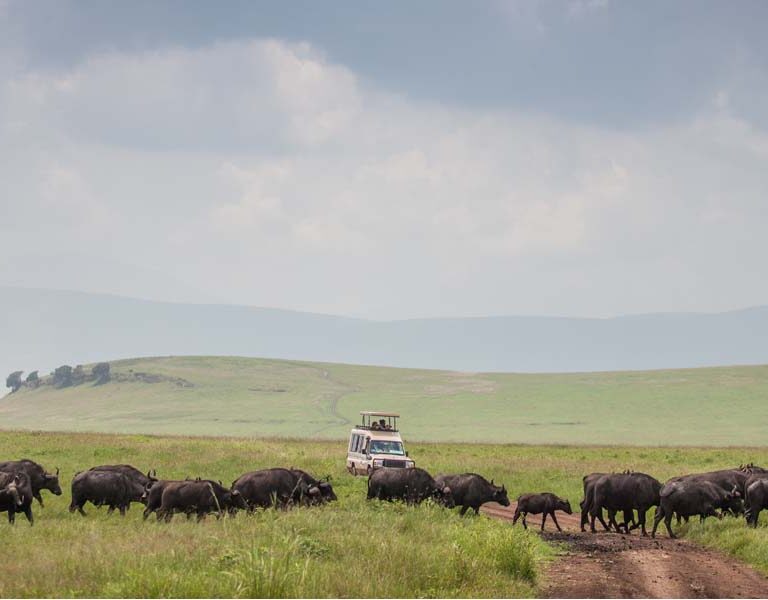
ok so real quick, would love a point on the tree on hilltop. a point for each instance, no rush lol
(62, 377)
(100, 372)
(32, 380)
(14, 381)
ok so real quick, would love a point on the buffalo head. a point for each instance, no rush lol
(51, 483)
(444, 496)
(326, 491)
(14, 491)
(500, 496)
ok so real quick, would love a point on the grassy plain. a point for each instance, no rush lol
(259, 397)
(351, 548)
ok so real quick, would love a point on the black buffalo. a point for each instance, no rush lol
(38, 477)
(145, 480)
(470, 490)
(688, 498)
(276, 487)
(200, 496)
(726, 479)
(153, 496)
(318, 490)
(410, 485)
(16, 495)
(537, 504)
(104, 488)
(624, 492)
(585, 505)
(756, 499)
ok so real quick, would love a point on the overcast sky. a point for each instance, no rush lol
(389, 159)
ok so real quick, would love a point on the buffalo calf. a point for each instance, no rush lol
(537, 504)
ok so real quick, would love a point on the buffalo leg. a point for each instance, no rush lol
(517, 515)
(28, 514)
(477, 510)
(629, 518)
(111, 509)
(11, 516)
(38, 497)
(543, 520)
(641, 518)
(463, 510)
(656, 520)
(668, 525)
(122, 510)
(612, 521)
(554, 518)
(584, 514)
(77, 507)
(597, 514)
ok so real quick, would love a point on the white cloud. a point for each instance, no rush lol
(264, 172)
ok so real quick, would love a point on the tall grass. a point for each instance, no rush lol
(350, 548)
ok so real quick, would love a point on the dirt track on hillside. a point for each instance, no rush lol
(610, 565)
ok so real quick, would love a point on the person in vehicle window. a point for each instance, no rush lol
(383, 425)
(376, 426)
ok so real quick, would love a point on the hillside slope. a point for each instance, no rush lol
(45, 329)
(256, 397)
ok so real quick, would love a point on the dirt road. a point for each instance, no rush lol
(610, 565)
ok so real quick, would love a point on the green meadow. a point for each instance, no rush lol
(350, 548)
(275, 398)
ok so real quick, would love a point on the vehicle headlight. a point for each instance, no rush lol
(378, 463)
(409, 464)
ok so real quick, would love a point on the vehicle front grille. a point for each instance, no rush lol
(399, 464)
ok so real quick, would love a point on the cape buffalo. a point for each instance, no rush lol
(470, 490)
(16, 495)
(38, 477)
(153, 496)
(624, 492)
(588, 482)
(319, 490)
(756, 499)
(688, 498)
(410, 485)
(726, 479)
(537, 504)
(110, 488)
(276, 487)
(199, 496)
(281, 487)
(144, 480)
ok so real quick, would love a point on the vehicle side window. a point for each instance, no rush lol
(358, 437)
(352, 441)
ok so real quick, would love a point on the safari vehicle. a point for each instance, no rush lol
(376, 443)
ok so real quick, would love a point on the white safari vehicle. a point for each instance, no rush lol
(376, 443)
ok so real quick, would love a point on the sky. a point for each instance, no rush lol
(388, 160)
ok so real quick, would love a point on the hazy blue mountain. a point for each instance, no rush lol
(46, 328)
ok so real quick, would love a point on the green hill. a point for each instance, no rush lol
(226, 396)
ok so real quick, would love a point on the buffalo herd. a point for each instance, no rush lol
(623, 497)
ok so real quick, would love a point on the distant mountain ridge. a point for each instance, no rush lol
(47, 328)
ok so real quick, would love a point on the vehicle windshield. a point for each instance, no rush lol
(386, 447)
